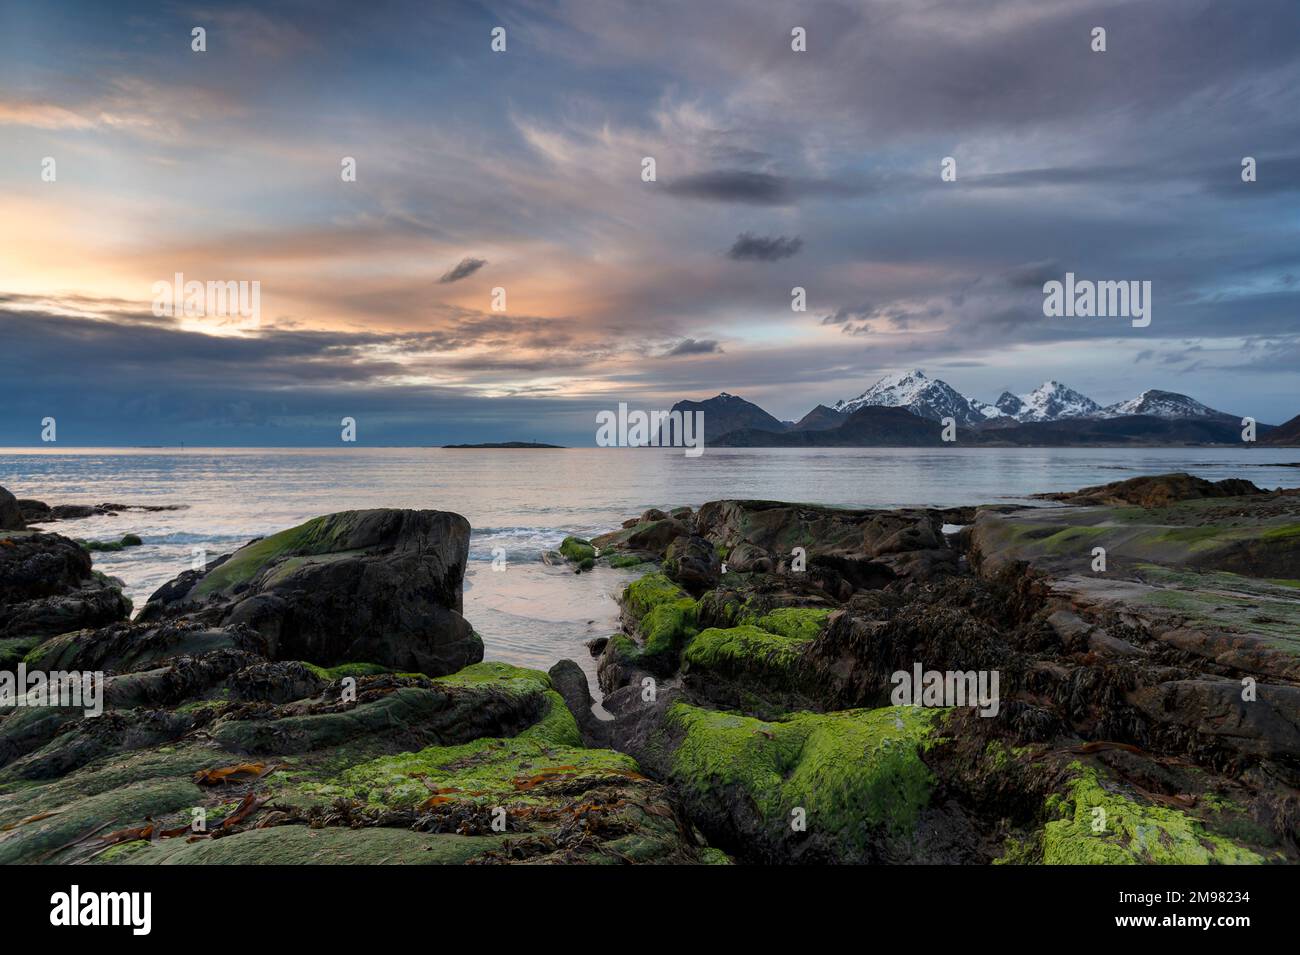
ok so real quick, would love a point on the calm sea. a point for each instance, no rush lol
(526, 501)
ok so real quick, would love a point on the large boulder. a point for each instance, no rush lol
(376, 586)
(11, 516)
(47, 588)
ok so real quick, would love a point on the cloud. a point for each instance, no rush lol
(840, 146)
(847, 313)
(1032, 275)
(40, 116)
(757, 248)
(759, 188)
(692, 346)
(463, 270)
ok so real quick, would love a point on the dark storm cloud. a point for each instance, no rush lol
(1032, 275)
(758, 248)
(760, 188)
(692, 346)
(463, 269)
(848, 313)
(112, 382)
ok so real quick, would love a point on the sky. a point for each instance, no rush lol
(523, 170)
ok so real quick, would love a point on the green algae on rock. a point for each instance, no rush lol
(663, 615)
(1101, 826)
(576, 549)
(857, 776)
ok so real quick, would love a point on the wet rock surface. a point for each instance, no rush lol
(314, 697)
(47, 587)
(380, 586)
(304, 694)
(1155, 691)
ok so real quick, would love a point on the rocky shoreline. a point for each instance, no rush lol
(317, 696)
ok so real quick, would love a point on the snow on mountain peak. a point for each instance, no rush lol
(1052, 401)
(1161, 404)
(923, 396)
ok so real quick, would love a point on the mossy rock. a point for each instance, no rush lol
(795, 623)
(43, 838)
(745, 650)
(664, 616)
(857, 775)
(576, 549)
(14, 649)
(1101, 826)
(488, 771)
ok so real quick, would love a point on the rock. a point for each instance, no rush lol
(1214, 712)
(692, 563)
(11, 515)
(655, 537)
(661, 616)
(1156, 491)
(267, 682)
(32, 511)
(746, 558)
(380, 586)
(571, 683)
(576, 550)
(1099, 641)
(745, 697)
(47, 587)
(414, 769)
(858, 777)
(128, 540)
(72, 512)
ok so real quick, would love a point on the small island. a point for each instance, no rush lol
(506, 444)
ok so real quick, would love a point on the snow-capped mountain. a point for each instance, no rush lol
(925, 397)
(1163, 404)
(1050, 401)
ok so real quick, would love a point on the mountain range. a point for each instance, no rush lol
(901, 409)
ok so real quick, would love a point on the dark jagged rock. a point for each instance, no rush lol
(47, 587)
(381, 586)
(11, 515)
(692, 562)
(571, 683)
(39, 512)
